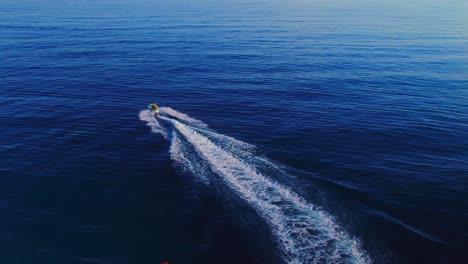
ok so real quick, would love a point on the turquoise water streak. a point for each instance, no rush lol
(296, 131)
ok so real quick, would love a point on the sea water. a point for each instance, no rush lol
(292, 131)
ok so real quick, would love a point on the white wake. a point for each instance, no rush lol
(305, 233)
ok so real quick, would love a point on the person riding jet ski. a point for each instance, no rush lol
(154, 107)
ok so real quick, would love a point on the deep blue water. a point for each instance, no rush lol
(358, 112)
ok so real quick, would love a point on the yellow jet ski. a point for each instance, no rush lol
(154, 108)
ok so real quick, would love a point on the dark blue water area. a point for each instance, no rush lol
(363, 103)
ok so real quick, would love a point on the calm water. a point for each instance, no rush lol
(328, 132)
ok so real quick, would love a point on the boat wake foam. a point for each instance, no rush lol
(305, 233)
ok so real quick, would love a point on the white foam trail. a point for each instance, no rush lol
(227, 141)
(305, 233)
(152, 122)
(231, 143)
(177, 149)
(178, 155)
(183, 117)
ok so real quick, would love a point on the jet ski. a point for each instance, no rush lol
(155, 109)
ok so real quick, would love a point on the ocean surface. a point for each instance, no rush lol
(292, 131)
